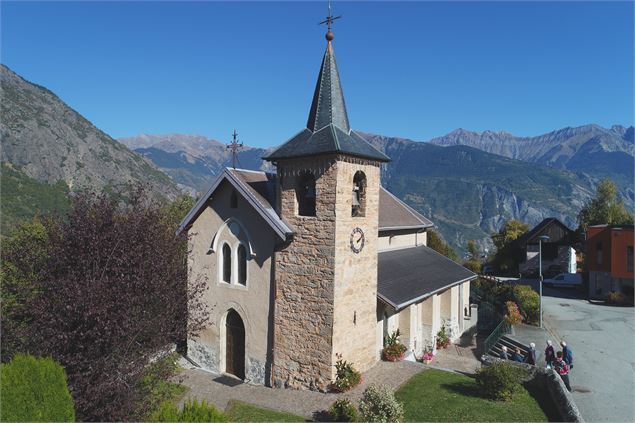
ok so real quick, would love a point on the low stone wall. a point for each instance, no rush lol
(558, 392)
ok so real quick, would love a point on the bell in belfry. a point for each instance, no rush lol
(310, 191)
(356, 196)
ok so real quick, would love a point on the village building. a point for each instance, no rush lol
(558, 250)
(317, 260)
(610, 257)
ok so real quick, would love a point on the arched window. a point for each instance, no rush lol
(233, 200)
(242, 265)
(358, 203)
(227, 263)
(305, 194)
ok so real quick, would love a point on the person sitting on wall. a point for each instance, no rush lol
(518, 356)
(503, 353)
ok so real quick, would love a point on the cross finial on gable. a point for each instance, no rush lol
(234, 145)
(329, 23)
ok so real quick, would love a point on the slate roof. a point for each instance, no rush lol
(328, 129)
(394, 214)
(410, 275)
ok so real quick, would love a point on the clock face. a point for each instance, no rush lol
(357, 240)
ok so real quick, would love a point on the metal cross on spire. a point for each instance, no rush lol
(329, 20)
(234, 146)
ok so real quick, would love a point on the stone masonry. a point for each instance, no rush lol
(326, 295)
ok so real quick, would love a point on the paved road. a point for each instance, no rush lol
(602, 339)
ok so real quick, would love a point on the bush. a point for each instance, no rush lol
(528, 301)
(192, 411)
(378, 404)
(343, 410)
(34, 389)
(619, 298)
(513, 316)
(346, 377)
(500, 380)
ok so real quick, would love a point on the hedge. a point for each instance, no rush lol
(35, 390)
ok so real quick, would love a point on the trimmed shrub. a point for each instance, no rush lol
(528, 301)
(343, 410)
(35, 390)
(378, 404)
(192, 411)
(500, 380)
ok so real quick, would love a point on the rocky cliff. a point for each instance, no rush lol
(50, 142)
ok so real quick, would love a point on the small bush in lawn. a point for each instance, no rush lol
(34, 389)
(378, 404)
(343, 410)
(500, 380)
(192, 411)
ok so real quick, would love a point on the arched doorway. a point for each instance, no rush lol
(235, 345)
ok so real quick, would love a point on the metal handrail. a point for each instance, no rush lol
(500, 330)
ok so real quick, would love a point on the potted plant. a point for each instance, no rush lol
(427, 357)
(393, 349)
(443, 340)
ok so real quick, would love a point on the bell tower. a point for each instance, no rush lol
(326, 276)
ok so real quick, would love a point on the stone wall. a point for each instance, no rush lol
(355, 293)
(326, 295)
(304, 278)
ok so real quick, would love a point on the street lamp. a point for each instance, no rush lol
(541, 238)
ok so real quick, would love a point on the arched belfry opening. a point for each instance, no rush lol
(306, 194)
(358, 202)
(234, 344)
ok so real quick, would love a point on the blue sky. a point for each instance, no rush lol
(409, 69)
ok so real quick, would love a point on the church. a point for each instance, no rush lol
(317, 260)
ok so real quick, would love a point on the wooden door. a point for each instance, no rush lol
(235, 345)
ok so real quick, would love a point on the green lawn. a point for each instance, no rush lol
(435, 395)
(238, 411)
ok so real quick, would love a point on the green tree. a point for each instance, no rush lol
(435, 242)
(34, 390)
(508, 252)
(25, 252)
(605, 208)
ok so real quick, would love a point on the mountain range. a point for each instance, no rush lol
(467, 191)
(468, 183)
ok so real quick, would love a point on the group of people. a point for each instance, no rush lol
(561, 361)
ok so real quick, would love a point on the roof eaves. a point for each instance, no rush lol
(395, 228)
(429, 294)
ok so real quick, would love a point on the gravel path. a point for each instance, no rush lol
(216, 389)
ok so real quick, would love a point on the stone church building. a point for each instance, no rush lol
(317, 259)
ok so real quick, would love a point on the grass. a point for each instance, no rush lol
(435, 395)
(238, 411)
